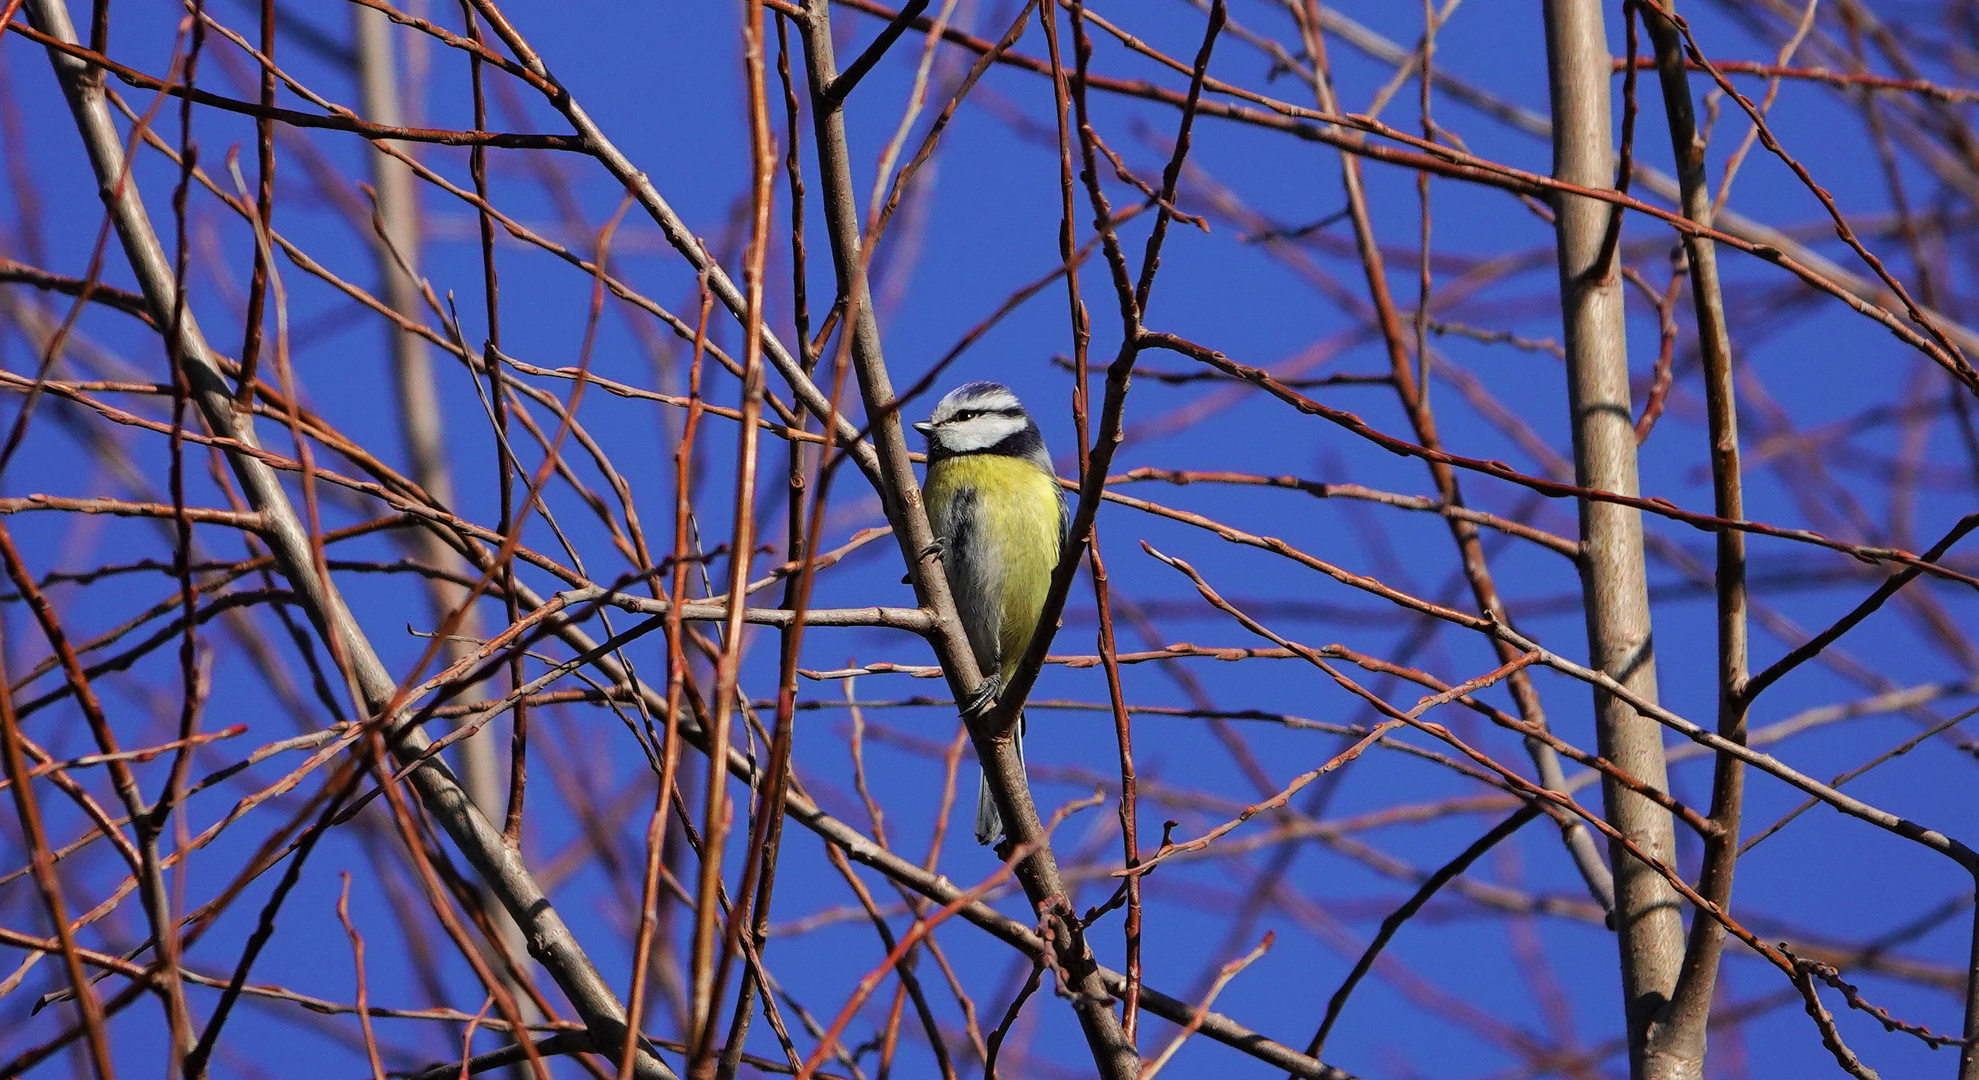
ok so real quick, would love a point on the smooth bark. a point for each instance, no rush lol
(1649, 920)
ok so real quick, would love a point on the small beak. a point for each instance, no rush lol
(925, 428)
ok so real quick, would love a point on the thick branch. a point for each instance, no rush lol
(493, 860)
(1613, 568)
(901, 496)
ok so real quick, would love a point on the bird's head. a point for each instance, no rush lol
(974, 417)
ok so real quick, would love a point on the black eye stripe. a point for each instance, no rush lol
(1014, 412)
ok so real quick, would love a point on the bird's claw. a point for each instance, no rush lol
(981, 699)
(934, 549)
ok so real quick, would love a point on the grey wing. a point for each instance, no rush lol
(968, 561)
(1064, 514)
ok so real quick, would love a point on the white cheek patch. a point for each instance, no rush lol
(980, 433)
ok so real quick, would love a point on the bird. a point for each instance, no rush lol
(1000, 520)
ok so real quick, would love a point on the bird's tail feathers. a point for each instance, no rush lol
(989, 823)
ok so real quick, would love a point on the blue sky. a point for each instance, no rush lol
(662, 81)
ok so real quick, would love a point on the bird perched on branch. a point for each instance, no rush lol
(1000, 518)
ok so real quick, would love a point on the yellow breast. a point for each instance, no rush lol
(1000, 520)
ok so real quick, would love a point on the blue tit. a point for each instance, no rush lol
(1000, 517)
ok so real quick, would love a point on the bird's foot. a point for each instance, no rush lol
(934, 549)
(982, 699)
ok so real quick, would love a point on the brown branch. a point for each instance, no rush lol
(1551, 488)
(290, 540)
(900, 497)
(347, 122)
(938, 888)
(1393, 923)
(1745, 235)
(1676, 1036)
